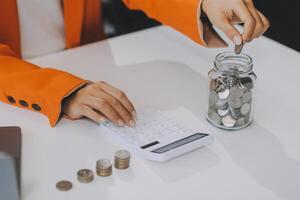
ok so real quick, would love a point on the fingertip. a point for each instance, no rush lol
(132, 123)
(120, 123)
(237, 40)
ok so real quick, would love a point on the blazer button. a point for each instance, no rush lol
(23, 103)
(36, 107)
(11, 99)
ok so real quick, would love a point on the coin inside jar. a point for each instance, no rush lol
(236, 92)
(245, 109)
(85, 175)
(245, 83)
(230, 87)
(234, 102)
(228, 121)
(64, 185)
(223, 112)
(241, 121)
(223, 94)
(247, 97)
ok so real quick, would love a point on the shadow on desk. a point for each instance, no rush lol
(168, 85)
(165, 85)
(257, 151)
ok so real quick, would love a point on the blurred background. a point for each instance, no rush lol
(284, 16)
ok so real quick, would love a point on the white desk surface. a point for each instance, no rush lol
(159, 67)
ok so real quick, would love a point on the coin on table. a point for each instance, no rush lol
(122, 154)
(238, 48)
(122, 159)
(64, 185)
(104, 167)
(85, 175)
(245, 109)
(228, 121)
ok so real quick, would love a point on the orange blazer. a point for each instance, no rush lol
(42, 89)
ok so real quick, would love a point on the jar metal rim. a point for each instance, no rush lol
(247, 65)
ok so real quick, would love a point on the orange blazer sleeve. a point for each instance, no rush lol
(28, 86)
(182, 15)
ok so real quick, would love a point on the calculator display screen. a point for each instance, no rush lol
(179, 143)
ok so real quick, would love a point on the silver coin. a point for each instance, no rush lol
(221, 103)
(228, 121)
(122, 154)
(245, 83)
(245, 109)
(104, 164)
(223, 112)
(236, 92)
(235, 113)
(223, 94)
(241, 121)
(238, 48)
(234, 102)
(215, 118)
(229, 81)
(247, 97)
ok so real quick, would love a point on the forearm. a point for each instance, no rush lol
(184, 16)
(31, 87)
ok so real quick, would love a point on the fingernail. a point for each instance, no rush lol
(120, 122)
(237, 40)
(132, 123)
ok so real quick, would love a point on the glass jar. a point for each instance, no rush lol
(231, 91)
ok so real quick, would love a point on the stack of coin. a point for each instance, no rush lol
(85, 175)
(122, 159)
(230, 101)
(104, 167)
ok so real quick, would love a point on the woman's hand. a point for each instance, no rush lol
(99, 102)
(224, 13)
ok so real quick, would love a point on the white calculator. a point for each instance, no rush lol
(162, 135)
